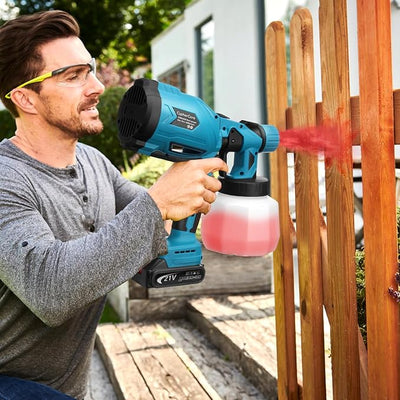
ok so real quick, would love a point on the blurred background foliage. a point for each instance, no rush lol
(117, 30)
(148, 171)
(7, 124)
(118, 33)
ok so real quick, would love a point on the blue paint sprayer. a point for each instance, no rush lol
(159, 120)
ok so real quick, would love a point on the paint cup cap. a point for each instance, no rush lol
(245, 187)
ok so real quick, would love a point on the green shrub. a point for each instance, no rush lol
(360, 286)
(109, 315)
(107, 142)
(7, 124)
(148, 171)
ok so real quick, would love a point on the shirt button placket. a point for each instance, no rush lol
(73, 173)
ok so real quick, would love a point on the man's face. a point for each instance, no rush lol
(72, 110)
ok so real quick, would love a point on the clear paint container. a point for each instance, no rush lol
(242, 225)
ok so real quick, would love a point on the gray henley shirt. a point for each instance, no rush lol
(68, 236)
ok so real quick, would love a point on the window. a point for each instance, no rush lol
(205, 44)
(176, 76)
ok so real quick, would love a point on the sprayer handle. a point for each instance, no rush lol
(188, 224)
(183, 247)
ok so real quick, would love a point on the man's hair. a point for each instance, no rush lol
(20, 43)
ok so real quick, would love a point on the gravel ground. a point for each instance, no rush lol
(100, 387)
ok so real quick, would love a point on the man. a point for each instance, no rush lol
(71, 228)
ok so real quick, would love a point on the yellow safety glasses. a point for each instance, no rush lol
(70, 76)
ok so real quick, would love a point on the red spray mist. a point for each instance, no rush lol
(326, 139)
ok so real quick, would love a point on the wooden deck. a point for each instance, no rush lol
(154, 361)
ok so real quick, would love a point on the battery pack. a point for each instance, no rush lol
(157, 274)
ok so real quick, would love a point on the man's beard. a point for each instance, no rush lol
(76, 129)
(73, 126)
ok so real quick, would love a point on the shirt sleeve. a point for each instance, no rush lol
(53, 278)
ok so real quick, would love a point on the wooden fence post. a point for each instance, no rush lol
(307, 210)
(339, 202)
(379, 206)
(283, 258)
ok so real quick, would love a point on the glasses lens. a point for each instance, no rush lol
(74, 76)
(93, 66)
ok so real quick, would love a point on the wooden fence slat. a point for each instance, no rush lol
(307, 210)
(339, 201)
(283, 257)
(379, 205)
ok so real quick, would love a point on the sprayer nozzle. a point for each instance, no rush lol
(272, 138)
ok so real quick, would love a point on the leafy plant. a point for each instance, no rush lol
(109, 315)
(143, 21)
(360, 287)
(100, 21)
(7, 124)
(120, 30)
(148, 171)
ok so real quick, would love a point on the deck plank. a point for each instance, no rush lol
(165, 374)
(124, 374)
(234, 325)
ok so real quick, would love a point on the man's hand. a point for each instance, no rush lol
(186, 188)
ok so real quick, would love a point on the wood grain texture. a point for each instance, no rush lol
(379, 205)
(275, 49)
(164, 373)
(307, 210)
(125, 376)
(339, 202)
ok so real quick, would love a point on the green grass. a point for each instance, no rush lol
(109, 315)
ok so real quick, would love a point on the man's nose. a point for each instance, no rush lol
(94, 84)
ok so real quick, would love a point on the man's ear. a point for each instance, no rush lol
(24, 100)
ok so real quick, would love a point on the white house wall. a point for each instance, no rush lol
(237, 72)
(396, 44)
(170, 48)
(237, 86)
(313, 6)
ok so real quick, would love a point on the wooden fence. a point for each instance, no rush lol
(326, 248)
